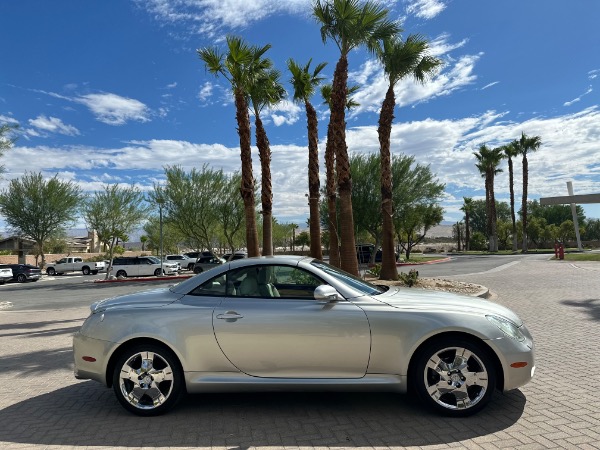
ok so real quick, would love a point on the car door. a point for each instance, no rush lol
(292, 335)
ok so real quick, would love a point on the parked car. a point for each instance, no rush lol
(206, 263)
(196, 255)
(5, 273)
(296, 323)
(139, 266)
(364, 252)
(235, 256)
(75, 264)
(184, 261)
(25, 272)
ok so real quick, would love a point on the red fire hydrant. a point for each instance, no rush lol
(561, 251)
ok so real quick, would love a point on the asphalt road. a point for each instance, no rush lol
(76, 290)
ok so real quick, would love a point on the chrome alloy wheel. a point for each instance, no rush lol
(146, 380)
(456, 378)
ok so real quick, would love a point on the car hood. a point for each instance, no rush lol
(146, 299)
(436, 301)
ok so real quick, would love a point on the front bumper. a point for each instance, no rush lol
(86, 347)
(517, 360)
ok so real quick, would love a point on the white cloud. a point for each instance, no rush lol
(7, 119)
(454, 75)
(113, 109)
(285, 113)
(575, 100)
(208, 17)
(592, 74)
(171, 85)
(425, 9)
(205, 92)
(489, 85)
(53, 125)
(568, 152)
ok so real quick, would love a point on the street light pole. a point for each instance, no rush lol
(161, 236)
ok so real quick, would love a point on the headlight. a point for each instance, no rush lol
(507, 327)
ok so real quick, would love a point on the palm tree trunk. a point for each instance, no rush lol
(388, 257)
(247, 185)
(512, 204)
(331, 192)
(467, 232)
(314, 184)
(524, 203)
(494, 220)
(266, 197)
(349, 262)
(488, 212)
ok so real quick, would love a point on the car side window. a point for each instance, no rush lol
(215, 287)
(293, 282)
(273, 281)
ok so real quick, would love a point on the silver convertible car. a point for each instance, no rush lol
(293, 323)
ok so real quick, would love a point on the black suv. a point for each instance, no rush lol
(25, 272)
(364, 252)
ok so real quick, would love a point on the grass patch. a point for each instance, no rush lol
(420, 259)
(582, 256)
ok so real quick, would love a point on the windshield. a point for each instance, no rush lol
(346, 278)
(154, 259)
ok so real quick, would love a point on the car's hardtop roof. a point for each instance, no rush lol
(289, 259)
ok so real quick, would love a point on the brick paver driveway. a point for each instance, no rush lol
(43, 406)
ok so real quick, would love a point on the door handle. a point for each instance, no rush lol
(230, 316)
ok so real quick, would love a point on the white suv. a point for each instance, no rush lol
(184, 261)
(137, 266)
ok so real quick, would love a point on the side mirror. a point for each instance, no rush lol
(328, 293)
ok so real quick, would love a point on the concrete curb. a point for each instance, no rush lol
(152, 278)
(434, 261)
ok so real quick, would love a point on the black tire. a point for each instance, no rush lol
(464, 372)
(121, 273)
(86, 270)
(190, 266)
(50, 271)
(94, 272)
(21, 278)
(157, 273)
(197, 270)
(162, 363)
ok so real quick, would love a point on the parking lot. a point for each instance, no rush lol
(43, 406)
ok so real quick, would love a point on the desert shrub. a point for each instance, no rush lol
(410, 278)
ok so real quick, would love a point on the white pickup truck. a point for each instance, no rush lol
(74, 264)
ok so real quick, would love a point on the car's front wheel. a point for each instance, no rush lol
(197, 270)
(157, 272)
(147, 380)
(455, 376)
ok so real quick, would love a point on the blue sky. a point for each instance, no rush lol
(111, 92)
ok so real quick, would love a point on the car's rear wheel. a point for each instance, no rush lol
(86, 270)
(50, 271)
(147, 380)
(21, 278)
(121, 274)
(190, 266)
(455, 376)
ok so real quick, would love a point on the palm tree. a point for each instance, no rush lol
(399, 60)
(240, 66)
(266, 90)
(143, 240)
(511, 151)
(305, 82)
(488, 161)
(467, 207)
(331, 182)
(526, 144)
(350, 25)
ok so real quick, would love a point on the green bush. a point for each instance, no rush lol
(375, 270)
(410, 278)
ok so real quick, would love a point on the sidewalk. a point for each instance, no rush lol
(43, 406)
